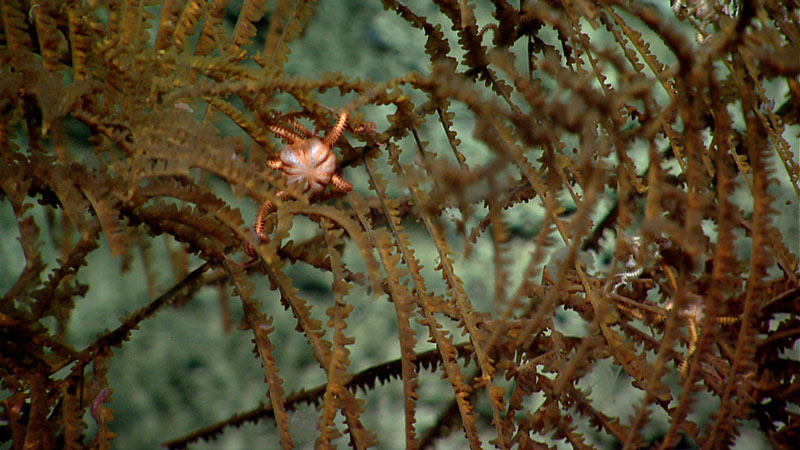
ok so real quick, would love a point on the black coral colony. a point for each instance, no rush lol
(535, 208)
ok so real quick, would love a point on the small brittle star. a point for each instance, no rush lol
(307, 160)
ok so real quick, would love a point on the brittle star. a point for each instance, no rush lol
(308, 160)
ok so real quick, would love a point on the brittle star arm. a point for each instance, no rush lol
(333, 136)
(339, 184)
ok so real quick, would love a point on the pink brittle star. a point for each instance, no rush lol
(307, 160)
